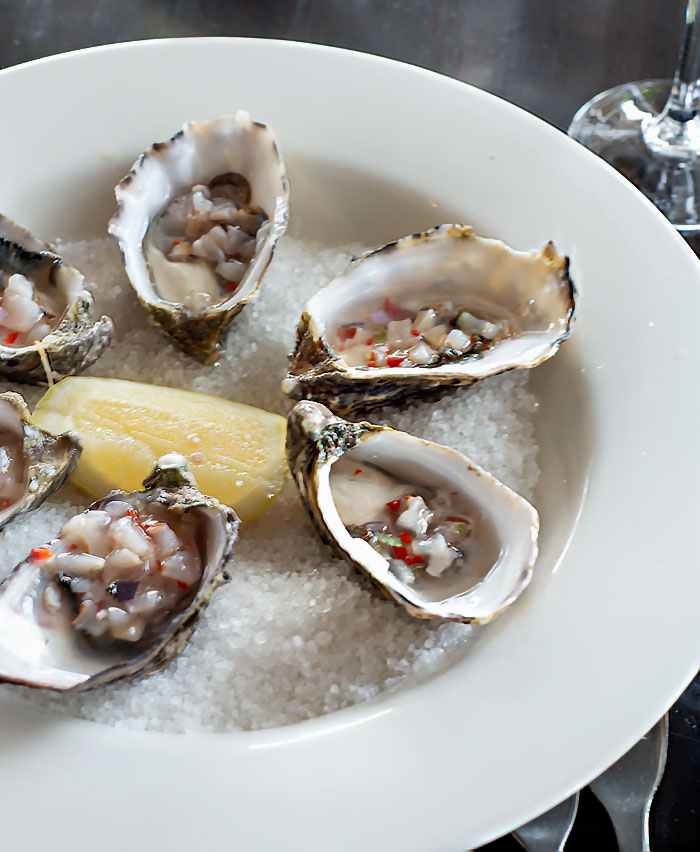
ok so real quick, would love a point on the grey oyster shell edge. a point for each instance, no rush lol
(77, 341)
(170, 485)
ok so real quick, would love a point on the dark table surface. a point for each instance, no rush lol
(547, 56)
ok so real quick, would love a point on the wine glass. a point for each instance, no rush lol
(650, 132)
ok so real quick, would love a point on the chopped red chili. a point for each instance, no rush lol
(394, 505)
(406, 537)
(358, 471)
(181, 585)
(369, 341)
(74, 547)
(11, 337)
(418, 559)
(392, 309)
(346, 333)
(485, 347)
(395, 360)
(41, 553)
(409, 560)
(399, 552)
(231, 287)
(176, 242)
(415, 332)
(4, 504)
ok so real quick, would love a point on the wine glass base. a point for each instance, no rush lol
(611, 126)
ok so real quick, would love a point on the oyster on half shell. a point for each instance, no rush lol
(197, 222)
(118, 592)
(429, 312)
(33, 463)
(437, 533)
(45, 319)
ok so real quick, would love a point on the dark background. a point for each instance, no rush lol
(548, 56)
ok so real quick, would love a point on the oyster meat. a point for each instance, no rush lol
(437, 533)
(198, 219)
(33, 463)
(45, 322)
(118, 592)
(429, 312)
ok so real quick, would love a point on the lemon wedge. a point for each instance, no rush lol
(236, 452)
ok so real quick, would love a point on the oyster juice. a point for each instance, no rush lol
(121, 573)
(394, 335)
(212, 228)
(417, 528)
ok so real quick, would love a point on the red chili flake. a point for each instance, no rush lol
(232, 287)
(41, 553)
(133, 513)
(358, 471)
(415, 332)
(346, 333)
(485, 347)
(399, 552)
(181, 585)
(472, 339)
(418, 559)
(236, 256)
(409, 560)
(11, 337)
(176, 242)
(395, 360)
(369, 341)
(392, 309)
(4, 504)
(406, 537)
(74, 547)
(372, 360)
(394, 505)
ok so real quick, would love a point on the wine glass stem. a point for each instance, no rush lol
(674, 134)
(682, 102)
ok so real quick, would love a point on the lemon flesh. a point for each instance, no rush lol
(236, 452)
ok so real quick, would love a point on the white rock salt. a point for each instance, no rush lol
(295, 634)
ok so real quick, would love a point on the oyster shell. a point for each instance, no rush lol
(70, 341)
(438, 534)
(223, 183)
(460, 308)
(33, 463)
(57, 632)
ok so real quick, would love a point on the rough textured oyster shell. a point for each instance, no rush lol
(316, 440)
(197, 153)
(533, 289)
(48, 460)
(76, 341)
(55, 657)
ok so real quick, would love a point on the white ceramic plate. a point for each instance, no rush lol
(606, 637)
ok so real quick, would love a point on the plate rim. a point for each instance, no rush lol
(362, 713)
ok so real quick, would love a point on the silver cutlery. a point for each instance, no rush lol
(627, 788)
(549, 831)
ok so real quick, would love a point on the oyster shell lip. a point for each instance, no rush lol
(201, 333)
(76, 341)
(49, 460)
(316, 439)
(171, 486)
(319, 373)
